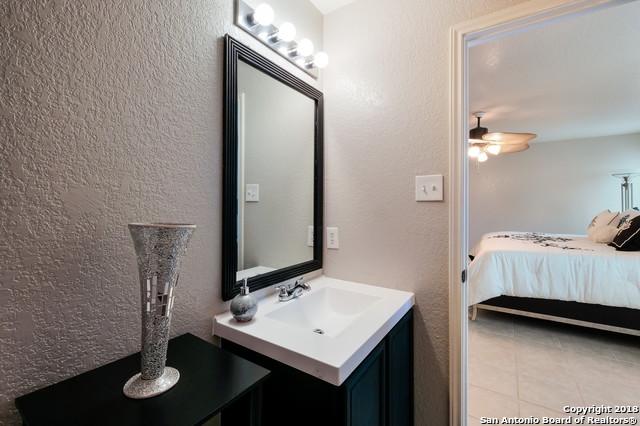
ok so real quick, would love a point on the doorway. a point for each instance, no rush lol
(464, 37)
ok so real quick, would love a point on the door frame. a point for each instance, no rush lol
(514, 19)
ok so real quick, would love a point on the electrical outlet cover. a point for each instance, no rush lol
(333, 241)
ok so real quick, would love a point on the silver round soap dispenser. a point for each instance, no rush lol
(244, 306)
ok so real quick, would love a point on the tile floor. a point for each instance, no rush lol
(521, 367)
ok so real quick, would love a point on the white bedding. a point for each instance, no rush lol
(551, 266)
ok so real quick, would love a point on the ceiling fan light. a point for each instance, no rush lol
(474, 151)
(494, 149)
(482, 141)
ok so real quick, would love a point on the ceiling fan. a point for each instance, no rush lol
(482, 142)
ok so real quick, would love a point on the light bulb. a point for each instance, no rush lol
(305, 47)
(474, 151)
(287, 32)
(263, 14)
(494, 149)
(482, 157)
(321, 60)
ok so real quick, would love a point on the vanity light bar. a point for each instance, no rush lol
(259, 23)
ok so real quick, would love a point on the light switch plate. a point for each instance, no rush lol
(252, 193)
(310, 236)
(430, 188)
(333, 241)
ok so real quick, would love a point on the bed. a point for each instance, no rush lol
(565, 278)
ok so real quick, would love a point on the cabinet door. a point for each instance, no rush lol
(399, 356)
(365, 391)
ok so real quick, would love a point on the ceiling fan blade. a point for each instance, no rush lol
(511, 148)
(507, 138)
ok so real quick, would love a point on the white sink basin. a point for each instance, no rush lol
(327, 332)
(327, 311)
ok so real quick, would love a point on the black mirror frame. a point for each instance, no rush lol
(235, 51)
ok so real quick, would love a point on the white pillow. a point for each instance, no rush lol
(599, 230)
(603, 234)
(603, 218)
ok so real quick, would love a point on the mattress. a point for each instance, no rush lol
(553, 266)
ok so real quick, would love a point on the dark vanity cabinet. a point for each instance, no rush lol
(365, 392)
(378, 393)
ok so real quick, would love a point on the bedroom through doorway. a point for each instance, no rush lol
(554, 228)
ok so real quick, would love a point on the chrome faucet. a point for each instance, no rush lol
(287, 292)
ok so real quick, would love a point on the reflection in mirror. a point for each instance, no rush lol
(276, 127)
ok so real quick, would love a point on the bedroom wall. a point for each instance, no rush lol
(553, 187)
(387, 107)
(110, 112)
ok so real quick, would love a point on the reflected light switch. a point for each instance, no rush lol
(430, 188)
(252, 193)
(310, 236)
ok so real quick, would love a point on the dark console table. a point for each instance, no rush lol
(211, 381)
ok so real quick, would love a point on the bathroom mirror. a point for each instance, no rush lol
(272, 182)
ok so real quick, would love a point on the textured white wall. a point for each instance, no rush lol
(553, 187)
(110, 112)
(386, 122)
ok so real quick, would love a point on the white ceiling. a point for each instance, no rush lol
(575, 78)
(327, 6)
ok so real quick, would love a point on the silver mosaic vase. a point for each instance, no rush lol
(159, 248)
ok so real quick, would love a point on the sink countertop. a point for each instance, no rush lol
(331, 357)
